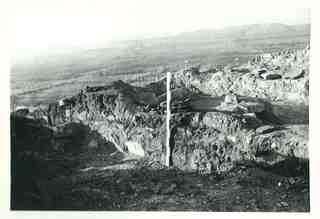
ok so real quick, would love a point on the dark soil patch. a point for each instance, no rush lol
(140, 188)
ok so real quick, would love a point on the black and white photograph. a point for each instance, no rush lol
(197, 106)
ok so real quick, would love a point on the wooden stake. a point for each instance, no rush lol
(167, 162)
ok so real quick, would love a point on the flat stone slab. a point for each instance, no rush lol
(295, 74)
(265, 129)
(270, 76)
(255, 107)
(218, 104)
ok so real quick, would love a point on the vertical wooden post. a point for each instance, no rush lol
(168, 115)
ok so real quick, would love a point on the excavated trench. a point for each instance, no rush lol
(99, 139)
(117, 115)
(46, 160)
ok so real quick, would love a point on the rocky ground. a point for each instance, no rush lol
(238, 142)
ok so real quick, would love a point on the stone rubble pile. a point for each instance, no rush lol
(232, 107)
(276, 77)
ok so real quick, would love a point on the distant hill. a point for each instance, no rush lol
(248, 32)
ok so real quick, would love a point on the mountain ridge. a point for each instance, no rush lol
(249, 30)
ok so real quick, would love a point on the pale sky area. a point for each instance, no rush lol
(39, 24)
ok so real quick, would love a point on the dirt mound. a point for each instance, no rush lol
(120, 113)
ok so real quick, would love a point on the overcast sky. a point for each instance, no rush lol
(38, 24)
